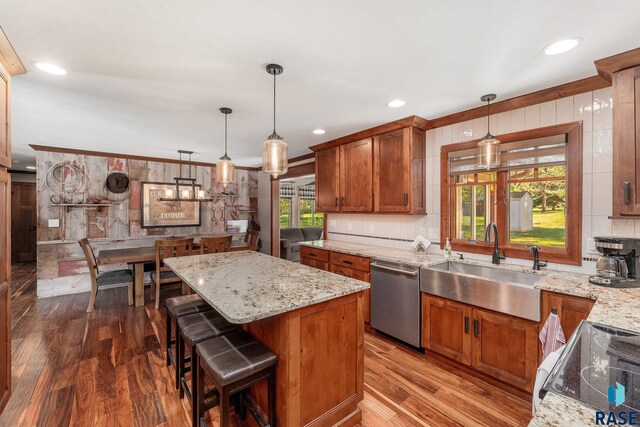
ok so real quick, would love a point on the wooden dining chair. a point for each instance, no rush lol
(252, 237)
(167, 248)
(213, 245)
(105, 278)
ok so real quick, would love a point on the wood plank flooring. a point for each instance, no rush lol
(106, 368)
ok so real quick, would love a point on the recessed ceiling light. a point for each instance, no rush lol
(396, 103)
(562, 46)
(50, 68)
(31, 168)
(319, 131)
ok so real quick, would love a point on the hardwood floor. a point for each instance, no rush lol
(106, 368)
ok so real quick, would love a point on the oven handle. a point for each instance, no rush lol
(395, 270)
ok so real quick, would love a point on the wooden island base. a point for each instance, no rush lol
(320, 373)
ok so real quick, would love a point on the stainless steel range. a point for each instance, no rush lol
(598, 358)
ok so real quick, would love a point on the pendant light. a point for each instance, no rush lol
(274, 149)
(225, 167)
(188, 194)
(489, 146)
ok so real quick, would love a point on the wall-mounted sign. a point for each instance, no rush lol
(167, 214)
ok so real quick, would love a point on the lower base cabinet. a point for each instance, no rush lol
(345, 265)
(499, 345)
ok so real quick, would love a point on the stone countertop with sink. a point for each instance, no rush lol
(619, 308)
(246, 286)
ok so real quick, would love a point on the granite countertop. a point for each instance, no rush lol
(619, 308)
(246, 286)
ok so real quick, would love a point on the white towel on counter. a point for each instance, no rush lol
(541, 376)
(551, 335)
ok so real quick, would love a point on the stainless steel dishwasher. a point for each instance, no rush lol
(395, 300)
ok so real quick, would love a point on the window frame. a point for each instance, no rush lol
(571, 253)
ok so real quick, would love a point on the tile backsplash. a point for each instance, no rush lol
(594, 109)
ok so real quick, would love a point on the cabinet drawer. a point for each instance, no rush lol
(351, 261)
(315, 263)
(350, 272)
(314, 253)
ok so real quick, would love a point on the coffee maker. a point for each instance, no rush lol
(619, 263)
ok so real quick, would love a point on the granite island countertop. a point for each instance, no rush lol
(619, 308)
(247, 286)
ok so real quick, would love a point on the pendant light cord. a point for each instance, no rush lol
(274, 103)
(225, 134)
(488, 114)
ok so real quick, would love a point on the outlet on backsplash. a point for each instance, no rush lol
(349, 227)
(371, 229)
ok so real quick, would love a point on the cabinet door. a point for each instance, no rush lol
(446, 328)
(356, 176)
(570, 309)
(358, 275)
(5, 275)
(626, 143)
(327, 180)
(505, 347)
(5, 140)
(392, 172)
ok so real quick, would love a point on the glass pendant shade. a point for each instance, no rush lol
(275, 154)
(488, 152)
(224, 171)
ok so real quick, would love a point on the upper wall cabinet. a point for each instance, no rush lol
(344, 178)
(398, 172)
(380, 170)
(5, 142)
(626, 143)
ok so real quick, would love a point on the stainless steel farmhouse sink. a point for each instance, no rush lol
(504, 291)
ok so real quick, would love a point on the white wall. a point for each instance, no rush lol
(594, 109)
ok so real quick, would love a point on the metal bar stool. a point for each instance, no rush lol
(234, 362)
(177, 307)
(194, 329)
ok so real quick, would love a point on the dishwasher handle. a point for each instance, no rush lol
(413, 273)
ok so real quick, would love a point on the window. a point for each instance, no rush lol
(285, 213)
(534, 197)
(298, 206)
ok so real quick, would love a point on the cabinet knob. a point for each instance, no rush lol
(466, 324)
(336, 200)
(476, 327)
(342, 201)
(405, 198)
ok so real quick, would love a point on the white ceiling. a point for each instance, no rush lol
(148, 77)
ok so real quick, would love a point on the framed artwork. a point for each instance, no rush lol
(156, 213)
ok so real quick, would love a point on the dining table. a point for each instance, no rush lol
(139, 256)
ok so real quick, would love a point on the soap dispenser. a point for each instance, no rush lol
(447, 249)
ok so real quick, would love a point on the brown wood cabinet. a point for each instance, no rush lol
(356, 267)
(5, 135)
(446, 328)
(5, 239)
(328, 180)
(383, 172)
(356, 165)
(399, 171)
(499, 345)
(5, 277)
(344, 178)
(505, 347)
(571, 310)
(626, 143)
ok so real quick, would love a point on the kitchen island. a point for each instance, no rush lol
(311, 319)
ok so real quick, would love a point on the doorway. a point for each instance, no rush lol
(23, 222)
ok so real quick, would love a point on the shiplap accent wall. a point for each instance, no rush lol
(594, 109)
(61, 264)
